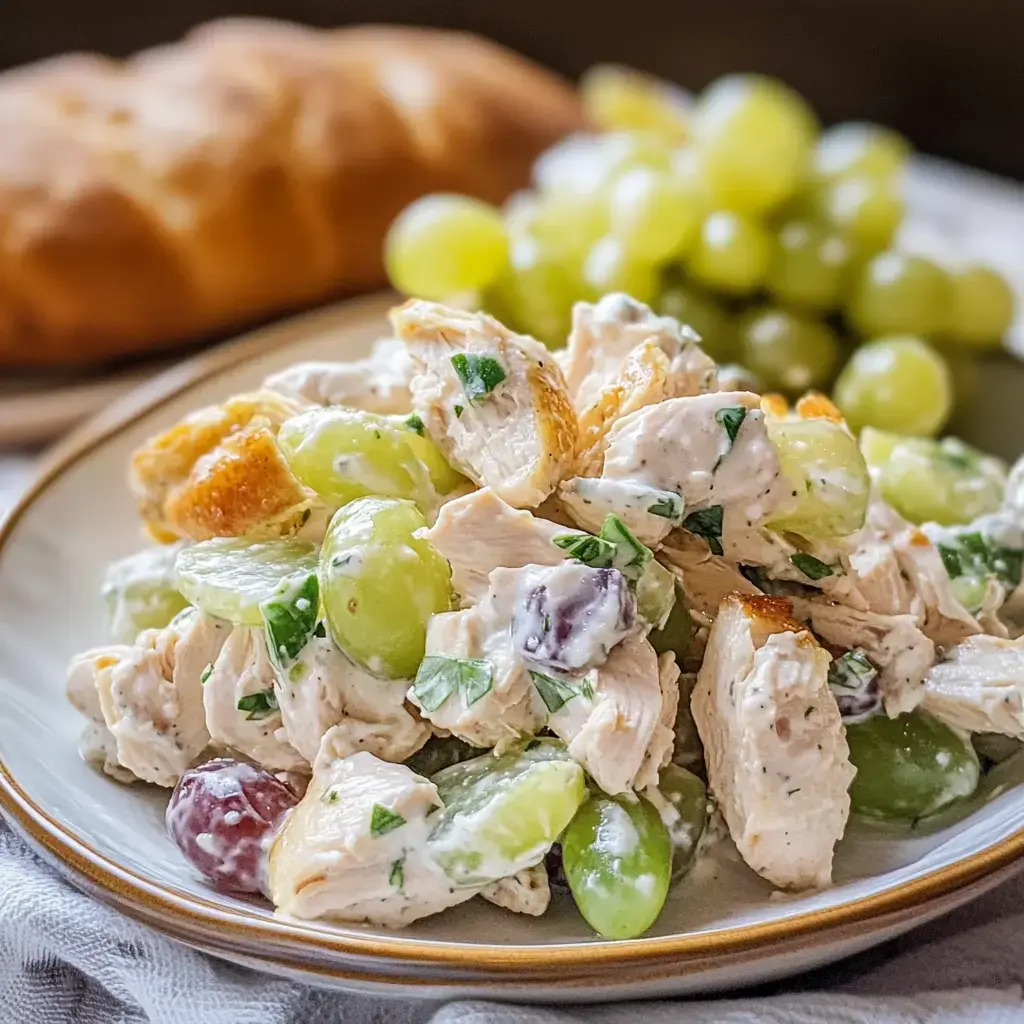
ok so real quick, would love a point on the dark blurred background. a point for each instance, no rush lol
(947, 73)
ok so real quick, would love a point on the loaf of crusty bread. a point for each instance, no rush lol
(252, 168)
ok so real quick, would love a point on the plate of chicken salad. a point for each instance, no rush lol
(468, 617)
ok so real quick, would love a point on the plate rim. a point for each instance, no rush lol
(129, 889)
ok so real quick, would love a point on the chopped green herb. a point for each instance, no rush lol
(383, 821)
(290, 617)
(480, 375)
(332, 796)
(814, 568)
(439, 676)
(585, 548)
(415, 423)
(259, 704)
(554, 692)
(951, 560)
(587, 688)
(668, 505)
(459, 410)
(974, 554)
(730, 419)
(206, 673)
(396, 877)
(707, 523)
(754, 574)
(321, 630)
(630, 555)
(851, 671)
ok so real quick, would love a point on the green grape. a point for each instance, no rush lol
(569, 225)
(865, 211)
(909, 767)
(610, 267)
(827, 470)
(616, 98)
(688, 796)
(981, 307)
(876, 446)
(141, 592)
(653, 215)
(438, 753)
(708, 318)
(443, 477)
(536, 293)
(897, 384)
(809, 266)
(617, 855)
(444, 245)
(676, 634)
(731, 254)
(790, 353)
(754, 136)
(896, 293)
(344, 454)
(859, 149)
(503, 812)
(945, 482)
(229, 577)
(380, 585)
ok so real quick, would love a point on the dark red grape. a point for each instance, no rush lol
(221, 816)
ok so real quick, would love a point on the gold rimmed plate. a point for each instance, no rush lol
(721, 927)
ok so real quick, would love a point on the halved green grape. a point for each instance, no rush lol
(230, 577)
(993, 748)
(141, 592)
(809, 266)
(380, 585)
(731, 253)
(876, 446)
(618, 98)
(857, 148)
(754, 136)
(676, 634)
(708, 318)
(687, 795)
(790, 353)
(899, 293)
(656, 593)
(827, 470)
(617, 856)
(502, 812)
(945, 482)
(440, 752)
(898, 384)
(443, 477)
(864, 210)
(653, 214)
(909, 767)
(444, 245)
(609, 267)
(981, 307)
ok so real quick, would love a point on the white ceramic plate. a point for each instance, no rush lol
(720, 928)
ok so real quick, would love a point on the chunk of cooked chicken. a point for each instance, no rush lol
(711, 450)
(605, 333)
(378, 383)
(493, 401)
(707, 579)
(776, 752)
(479, 532)
(219, 469)
(354, 849)
(325, 694)
(151, 694)
(615, 727)
(526, 892)
(243, 673)
(979, 686)
(894, 644)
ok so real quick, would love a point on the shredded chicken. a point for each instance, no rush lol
(776, 752)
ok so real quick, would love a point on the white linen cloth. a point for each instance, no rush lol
(68, 959)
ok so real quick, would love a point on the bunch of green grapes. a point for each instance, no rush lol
(733, 212)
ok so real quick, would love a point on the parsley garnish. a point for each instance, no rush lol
(290, 618)
(383, 821)
(459, 410)
(321, 630)
(554, 692)
(707, 523)
(630, 555)
(396, 877)
(814, 568)
(480, 375)
(259, 704)
(415, 423)
(590, 550)
(206, 673)
(668, 505)
(851, 671)
(731, 419)
(439, 676)
(974, 554)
